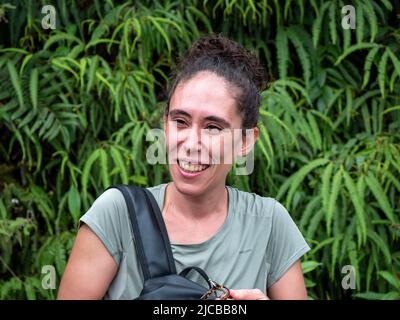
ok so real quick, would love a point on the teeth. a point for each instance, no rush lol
(192, 167)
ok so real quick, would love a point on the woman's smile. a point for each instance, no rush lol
(191, 170)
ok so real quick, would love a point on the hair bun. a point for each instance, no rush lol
(233, 55)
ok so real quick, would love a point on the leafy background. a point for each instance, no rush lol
(76, 104)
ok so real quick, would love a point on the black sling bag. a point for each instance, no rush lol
(153, 248)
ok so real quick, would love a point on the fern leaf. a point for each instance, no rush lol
(309, 211)
(118, 161)
(74, 203)
(315, 130)
(346, 38)
(298, 177)
(279, 121)
(392, 179)
(387, 4)
(16, 82)
(33, 87)
(332, 22)
(354, 259)
(381, 245)
(308, 266)
(313, 226)
(317, 25)
(301, 52)
(349, 105)
(335, 252)
(325, 186)
(282, 52)
(104, 168)
(368, 63)
(380, 196)
(86, 170)
(358, 46)
(61, 36)
(93, 61)
(154, 21)
(382, 72)
(47, 123)
(202, 17)
(390, 278)
(395, 61)
(358, 206)
(372, 19)
(361, 187)
(293, 85)
(360, 23)
(334, 192)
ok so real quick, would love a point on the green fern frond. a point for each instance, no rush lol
(282, 52)
(302, 54)
(119, 164)
(360, 26)
(332, 206)
(298, 177)
(371, 17)
(382, 66)
(332, 22)
(395, 61)
(87, 169)
(380, 196)
(317, 25)
(368, 64)
(358, 206)
(353, 48)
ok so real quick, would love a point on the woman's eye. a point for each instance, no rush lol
(179, 122)
(213, 129)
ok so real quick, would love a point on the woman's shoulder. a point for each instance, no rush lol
(108, 209)
(112, 198)
(251, 203)
(158, 189)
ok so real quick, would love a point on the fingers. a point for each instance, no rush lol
(248, 294)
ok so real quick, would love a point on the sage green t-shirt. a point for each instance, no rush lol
(254, 247)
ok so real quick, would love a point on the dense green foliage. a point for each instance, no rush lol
(76, 104)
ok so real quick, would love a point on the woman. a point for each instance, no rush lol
(245, 241)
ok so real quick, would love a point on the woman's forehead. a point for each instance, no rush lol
(205, 94)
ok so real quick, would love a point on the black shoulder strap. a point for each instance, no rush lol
(151, 238)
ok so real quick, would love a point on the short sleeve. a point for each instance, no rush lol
(285, 246)
(108, 219)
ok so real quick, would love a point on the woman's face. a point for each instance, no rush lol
(199, 128)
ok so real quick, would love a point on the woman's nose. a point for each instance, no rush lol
(192, 141)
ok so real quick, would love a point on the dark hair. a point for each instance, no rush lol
(228, 59)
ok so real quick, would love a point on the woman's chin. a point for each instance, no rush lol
(189, 189)
(190, 183)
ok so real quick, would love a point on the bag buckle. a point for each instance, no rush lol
(219, 290)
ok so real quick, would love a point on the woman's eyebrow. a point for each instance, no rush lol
(221, 121)
(177, 112)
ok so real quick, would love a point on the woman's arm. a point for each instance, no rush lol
(90, 268)
(289, 287)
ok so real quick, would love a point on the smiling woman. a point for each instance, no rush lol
(245, 241)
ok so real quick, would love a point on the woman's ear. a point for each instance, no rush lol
(248, 140)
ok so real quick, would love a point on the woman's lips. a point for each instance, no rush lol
(190, 170)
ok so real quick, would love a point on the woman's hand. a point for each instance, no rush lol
(248, 294)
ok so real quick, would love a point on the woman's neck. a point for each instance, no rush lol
(213, 202)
